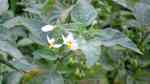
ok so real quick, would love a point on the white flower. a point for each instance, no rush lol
(47, 28)
(51, 43)
(70, 41)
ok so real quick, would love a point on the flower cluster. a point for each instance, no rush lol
(68, 40)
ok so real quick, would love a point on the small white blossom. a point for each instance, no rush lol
(47, 28)
(51, 43)
(70, 41)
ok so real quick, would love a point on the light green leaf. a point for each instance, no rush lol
(3, 6)
(22, 65)
(121, 77)
(129, 80)
(34, 27)
(145, 1)
(48, 78)
(111, 37)
(91, 51)
(33, 10)
(48, 4)
(12, 34)
(54, 78)
(56, 11)
(83, 12)
(72, 27)
(129, 4)
(25, 42)
(46, 54)
(141, 12)
(12, 78)
(12, 22)
(10, 49)
(142, 75)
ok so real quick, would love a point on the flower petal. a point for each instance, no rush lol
(74, 45)
(70, 36)
(64, 39)
(51, 41)
(47, 28)
(70, 41)
(57, 45)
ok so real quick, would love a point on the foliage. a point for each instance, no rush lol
(112, 38)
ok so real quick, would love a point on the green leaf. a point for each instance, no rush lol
(48, 78)
(6, 35)
(121, 77)
(12, 22)
(12, 35)
(141, 12)
(59, 13)
(22, 65)
(3, 6)
(129, 4)
(25, 42)
(17, 32)
(72, 27)
(111, 37)
(142, 75)
(13, 5)
(83, 12)
(133, 23)
(12, 78)
(129, 80)
(91, 51)
(48, 5)
(10, 49)
(54, 78)
(34, 27)
(145, 1)
(115, 53)
(46, 54)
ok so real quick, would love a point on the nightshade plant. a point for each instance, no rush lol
(74, 42)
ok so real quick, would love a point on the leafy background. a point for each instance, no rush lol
(113, 38)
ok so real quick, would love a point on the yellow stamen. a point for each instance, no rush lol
(50, 45)
(69, 44)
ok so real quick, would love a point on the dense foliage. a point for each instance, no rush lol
(87, 42)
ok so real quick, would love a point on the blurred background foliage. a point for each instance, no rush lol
(113, 38)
